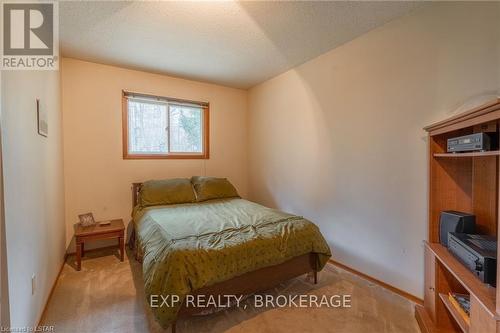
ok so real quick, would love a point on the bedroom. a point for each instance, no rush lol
(316, 109)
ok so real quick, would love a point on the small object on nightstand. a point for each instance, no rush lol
(104, 223)
(86, 220)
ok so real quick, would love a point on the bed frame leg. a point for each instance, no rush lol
(173, 326)
(315, 277)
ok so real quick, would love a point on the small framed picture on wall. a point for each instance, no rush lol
(41, 117)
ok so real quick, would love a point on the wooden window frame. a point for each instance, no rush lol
(205, 154)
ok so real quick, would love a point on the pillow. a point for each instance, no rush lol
(207, 188)
(166, 192)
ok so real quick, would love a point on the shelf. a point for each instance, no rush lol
(485, 294)
(471, 154)
(469, 182)
(455, 314)
(425, 322)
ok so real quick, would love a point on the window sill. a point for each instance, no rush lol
(166, 157)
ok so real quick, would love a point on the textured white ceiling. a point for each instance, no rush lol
(236, 44)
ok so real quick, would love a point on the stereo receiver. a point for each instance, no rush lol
(472, 142)
(477, 252)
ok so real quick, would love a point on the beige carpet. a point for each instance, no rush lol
(107, 296)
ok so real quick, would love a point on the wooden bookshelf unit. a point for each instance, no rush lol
(467, 182)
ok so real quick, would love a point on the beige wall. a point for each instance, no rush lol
(97, 179)
(339, 139)
(33, 190)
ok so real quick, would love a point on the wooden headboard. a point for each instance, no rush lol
(135, 193)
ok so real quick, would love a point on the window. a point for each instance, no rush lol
(162, 127)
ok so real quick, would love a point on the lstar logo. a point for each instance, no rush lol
(29, 37)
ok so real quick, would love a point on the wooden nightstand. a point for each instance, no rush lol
(116, 229)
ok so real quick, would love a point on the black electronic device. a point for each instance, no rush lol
(453, 221)
(477, 252)
(471, 142)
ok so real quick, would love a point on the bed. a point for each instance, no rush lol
(227, 246)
